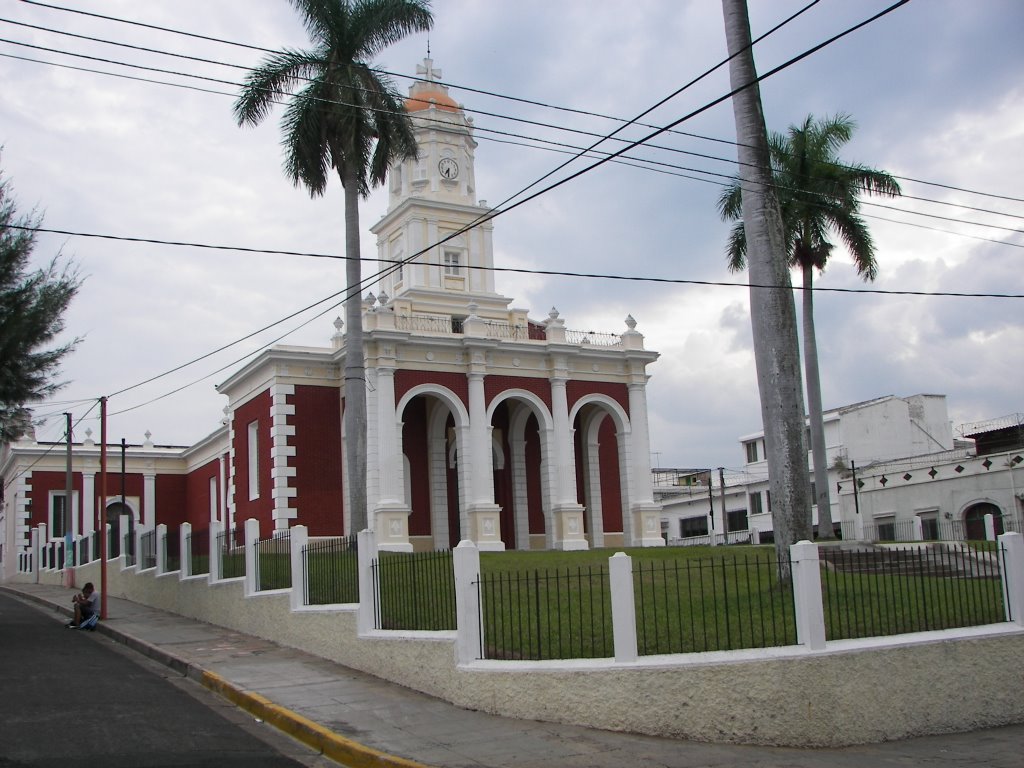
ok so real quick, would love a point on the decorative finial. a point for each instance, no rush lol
(383, 298)
(338, 324)
(149, 440)
(427, 70)
(553, 314)
(630, 322)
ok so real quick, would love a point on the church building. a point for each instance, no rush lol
(483, 422)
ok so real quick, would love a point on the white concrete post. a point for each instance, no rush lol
(367, 553)
(252, 537)
(1012, 545)
(122, 545)
(990, 527)
(161, 548)
(755, 536)
(36, 537)
(918, 528)
(216, 529)
(466, 562)
(299, 539)
(139, 530)
(184, 550)
(808, 606)
(620, 574)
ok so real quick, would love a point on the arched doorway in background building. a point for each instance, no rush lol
(974, 520)
(114, 511)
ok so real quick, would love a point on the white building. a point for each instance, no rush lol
(913, 479)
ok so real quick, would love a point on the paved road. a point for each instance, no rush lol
(79, 699)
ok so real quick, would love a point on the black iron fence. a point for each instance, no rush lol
(128, 548)
(330, 570)
(197, 544)
(147, 557)
(231, 546)
(172, 551)
(274, 562)
(414, 590)
(712, 604)
(559, 613)
(910, 589)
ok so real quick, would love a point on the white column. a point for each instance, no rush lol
(520, 491)
(366, 553)
(466, 563)
(438, 463)
(281, 453)
(620, 576)
(645, 512)
(808, 606)
(161, 549)
(567, 512)
(592, 484)
(391, 511)
(484, 514)
(298, 540)
(148, 512)
(185, 550)
(252, 537)
(88, 502)
(1013, 576)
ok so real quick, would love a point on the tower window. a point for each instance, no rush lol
(452, 263)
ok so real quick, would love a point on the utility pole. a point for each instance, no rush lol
(725, 515)
(103, 508)
(66, 515)
(711, 509)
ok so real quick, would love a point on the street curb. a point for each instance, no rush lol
(330, 744)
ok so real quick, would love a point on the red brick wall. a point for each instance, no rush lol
(456, 382)
(415, 448)
(170, 502)
(317, 459)
(611, 486)
(197, 495)
(574, 390)
(495, 385)
(257, 409)
(42, 484)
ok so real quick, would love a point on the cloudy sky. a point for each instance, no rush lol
(935, 88)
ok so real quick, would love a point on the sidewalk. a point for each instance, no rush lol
(359, 720)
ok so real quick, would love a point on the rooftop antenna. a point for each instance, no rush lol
(428, 45)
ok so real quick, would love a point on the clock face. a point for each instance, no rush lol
(449, 168)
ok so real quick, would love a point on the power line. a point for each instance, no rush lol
(482, 92)
(517, 270)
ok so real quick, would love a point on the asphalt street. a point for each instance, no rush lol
(77, 698)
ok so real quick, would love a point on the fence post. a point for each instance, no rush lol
(1012, 546)
(252, 537)
(140, 531)
(366, 551)
(215, 554)
(161, 548)
(990, 527)
(36, 538)
(184, 550)
(299, 540)
(918, 528)
(466, 563)
(808, 607)
(620, 574)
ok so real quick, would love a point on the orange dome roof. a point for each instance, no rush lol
(426, 98)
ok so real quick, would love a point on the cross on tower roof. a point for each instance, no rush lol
(427, 70)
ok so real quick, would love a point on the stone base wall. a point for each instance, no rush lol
(853, 692)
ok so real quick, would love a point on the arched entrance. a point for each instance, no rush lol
(114, 511)
(974, 520)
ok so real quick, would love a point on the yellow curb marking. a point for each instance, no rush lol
(328, 743)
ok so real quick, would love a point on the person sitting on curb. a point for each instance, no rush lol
(87, 608)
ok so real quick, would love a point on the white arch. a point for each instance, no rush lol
(453, 401)
(964, 508)
(534, 403)
(617, 412)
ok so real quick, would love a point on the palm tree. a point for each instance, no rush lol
(772, 312)
(344, 115)
(818, 195)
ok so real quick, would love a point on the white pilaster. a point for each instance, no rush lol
(282, 450)
(148, 512)
(484, 514)
(646, 513)
(567, 512)
(88, 502)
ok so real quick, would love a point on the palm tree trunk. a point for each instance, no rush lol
(823, 497)
(772, 310)
(355, 366)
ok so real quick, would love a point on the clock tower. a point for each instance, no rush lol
(432, 206)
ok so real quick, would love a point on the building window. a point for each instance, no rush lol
(751, 449)
(755, 504)
(736, 520)
(886, 528)
(213, 498)
(768, 498)
(254, 460)
(60, 525)
(930, 527)
(693, 526)
(452, 264)
(814, 494)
